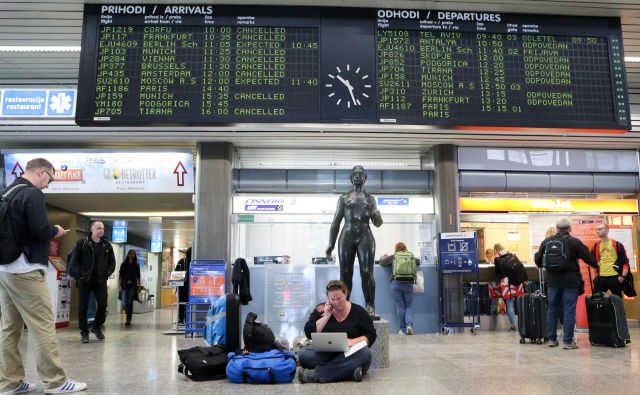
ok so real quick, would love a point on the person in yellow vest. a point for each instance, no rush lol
(613, 263)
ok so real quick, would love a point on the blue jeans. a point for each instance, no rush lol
(403, 296)
(511, 311)
(128, 292)
(333, 366)
(562, 300)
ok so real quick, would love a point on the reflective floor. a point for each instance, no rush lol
(141, 360)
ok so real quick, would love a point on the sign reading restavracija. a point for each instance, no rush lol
(209, 64)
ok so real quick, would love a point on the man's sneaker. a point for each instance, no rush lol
(98, 333)
(512, 329)
(24, 387)
(84, 338)
(570, 346)
(553, 343)
(307, 376)
(357, 374)
(68, 387)
(409, 330)
(401, 332)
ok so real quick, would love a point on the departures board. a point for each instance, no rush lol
(216, 65)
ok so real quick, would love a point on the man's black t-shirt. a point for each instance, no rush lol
(358, 323)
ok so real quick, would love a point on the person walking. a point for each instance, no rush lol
(24, 294)
(129, 283)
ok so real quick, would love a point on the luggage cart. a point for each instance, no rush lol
(458, 254)
(207, 279)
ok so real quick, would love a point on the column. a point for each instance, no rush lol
(213, 202)
(448, 218)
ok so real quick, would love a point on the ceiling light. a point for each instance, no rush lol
(632, 59)
(39, 48)
(125, 214)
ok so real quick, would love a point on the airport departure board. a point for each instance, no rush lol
(219, 65)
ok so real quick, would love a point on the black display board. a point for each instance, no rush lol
(203, 64)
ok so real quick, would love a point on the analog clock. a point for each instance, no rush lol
(349, 86)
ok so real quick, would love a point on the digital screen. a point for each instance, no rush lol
(216, 65)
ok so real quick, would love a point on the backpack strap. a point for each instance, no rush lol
(11, 193)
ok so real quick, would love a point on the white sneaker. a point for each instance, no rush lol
(21, 389)
(401, 332)
(68, 387)
(409, 330)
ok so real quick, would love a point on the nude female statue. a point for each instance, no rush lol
(357, 208)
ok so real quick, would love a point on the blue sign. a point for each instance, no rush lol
(119, 235)
(119, 224)
(62, 103)
(395, 201)
(24, 103)
(458, 252)
(263, 207)
(156, 245)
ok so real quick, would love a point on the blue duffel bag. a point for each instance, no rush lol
(270, 367)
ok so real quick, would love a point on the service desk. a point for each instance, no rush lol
(284, 296)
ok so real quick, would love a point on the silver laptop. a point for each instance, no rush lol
(330, 341)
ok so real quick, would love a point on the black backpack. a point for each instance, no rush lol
(257, 336)
(514, 269)
(555, 256)
(203, 363)
(10, 249)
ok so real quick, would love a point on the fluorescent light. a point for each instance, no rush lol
(39, 48)
(632, 59)
(126, 214)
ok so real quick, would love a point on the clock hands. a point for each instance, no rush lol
(348, 85)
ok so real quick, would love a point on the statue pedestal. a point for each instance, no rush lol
(380, 349)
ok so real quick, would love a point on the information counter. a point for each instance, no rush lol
(284, 296)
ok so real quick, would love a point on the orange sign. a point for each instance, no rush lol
(485, 205)
(69, 175)
(206, 285)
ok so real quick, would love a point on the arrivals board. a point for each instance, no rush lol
(219, 65)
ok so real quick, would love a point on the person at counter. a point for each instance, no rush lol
(402, 286)
(509, 292)
(337, 315)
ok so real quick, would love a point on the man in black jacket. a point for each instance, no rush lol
(91, 265)
(24, 294)
(613, 261)
(564, 286)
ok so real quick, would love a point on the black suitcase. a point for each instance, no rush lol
(233, 323)
(532, 316)
(607, 320)
(203, 363)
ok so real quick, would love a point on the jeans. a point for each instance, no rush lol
(562, 299)
(333, 366)
(100, 292)
(511, 311)
(403, 296)
(128, 292)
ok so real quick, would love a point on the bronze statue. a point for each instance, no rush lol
(357, 207)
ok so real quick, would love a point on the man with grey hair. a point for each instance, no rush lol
(559, 255)
(24, 294)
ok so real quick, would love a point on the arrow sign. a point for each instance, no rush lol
(180, 171)
(17, 171)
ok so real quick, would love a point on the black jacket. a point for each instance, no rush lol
(574, 249)
(241, 280)
(30, 222)
(81, 264)
(621, 261)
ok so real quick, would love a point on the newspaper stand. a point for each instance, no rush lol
(458, 254)
(206, 284)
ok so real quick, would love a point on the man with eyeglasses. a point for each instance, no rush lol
(24, 294)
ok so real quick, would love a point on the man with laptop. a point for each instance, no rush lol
(342, 333)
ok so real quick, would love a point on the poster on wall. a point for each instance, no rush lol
(624, 234)
(103, 171)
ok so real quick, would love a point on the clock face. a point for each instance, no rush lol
(349, 86)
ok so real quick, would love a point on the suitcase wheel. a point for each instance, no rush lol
(523, 340)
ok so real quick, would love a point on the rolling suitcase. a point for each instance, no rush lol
(233, 323)
(607, 320)
(532, 316)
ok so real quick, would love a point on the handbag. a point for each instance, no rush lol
(418, 286)
(203, 363)
(270, 367)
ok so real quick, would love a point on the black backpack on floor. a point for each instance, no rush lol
(257, 336)
(203, 363)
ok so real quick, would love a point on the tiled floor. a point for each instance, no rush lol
(141, 360)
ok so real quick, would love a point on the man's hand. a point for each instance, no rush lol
(329, 250)
(61, 232)
(621, 279)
